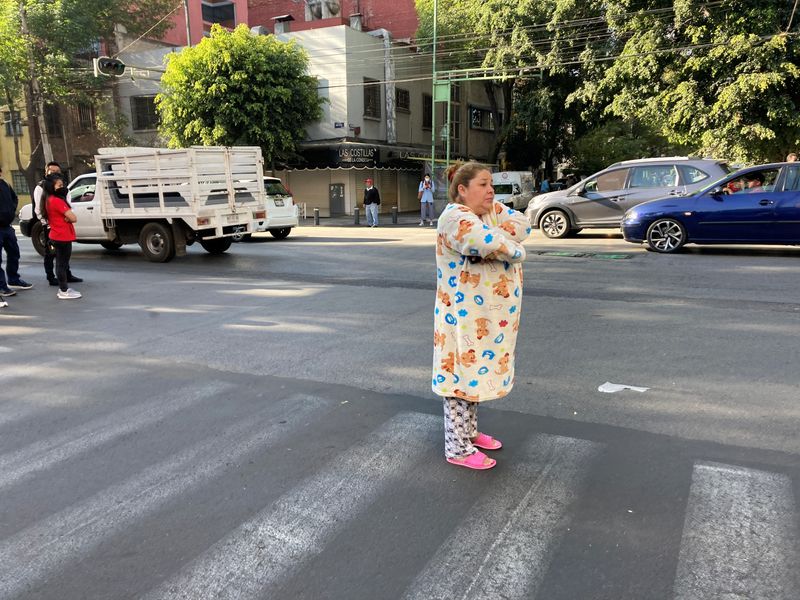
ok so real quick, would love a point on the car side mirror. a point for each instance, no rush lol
(717, 192)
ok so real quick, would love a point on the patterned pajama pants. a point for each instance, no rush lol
(460, 424)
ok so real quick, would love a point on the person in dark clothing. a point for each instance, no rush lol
(8, 242)
(372, 202)
(49, 256)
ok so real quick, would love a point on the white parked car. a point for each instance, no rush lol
(281, 212)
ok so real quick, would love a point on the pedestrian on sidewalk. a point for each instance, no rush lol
(372, 202)
(10, 279)
(59, 215)
(425, 195)
(49, 256)
(479, 255)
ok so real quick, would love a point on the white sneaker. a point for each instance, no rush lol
(3, 302)
(70, 294)
(421, 223)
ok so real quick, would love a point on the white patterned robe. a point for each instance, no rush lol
(478, 304)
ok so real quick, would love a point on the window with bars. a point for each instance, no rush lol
(52, 120)
(372, 98)
(427, 111)
(13, 123)
(143, 113)
(85, 117)
(403, 98)
(19, 183)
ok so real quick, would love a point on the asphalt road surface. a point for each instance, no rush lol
(260, 425)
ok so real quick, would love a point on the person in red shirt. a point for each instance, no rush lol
(59, 215)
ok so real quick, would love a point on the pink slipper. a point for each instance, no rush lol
(487, 442)
(473, 461)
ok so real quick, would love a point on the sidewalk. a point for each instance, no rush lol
(408, 219)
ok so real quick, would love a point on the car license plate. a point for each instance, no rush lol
(278, 202)
(231, 218)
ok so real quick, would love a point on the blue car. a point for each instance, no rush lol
(756, 205)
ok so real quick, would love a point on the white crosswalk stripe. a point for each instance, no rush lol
(740, 536)
(46, 453)
(502, 548)
(55, 541)
(739, 539)
(275, 544)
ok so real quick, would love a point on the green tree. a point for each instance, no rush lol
(56, 52)
(236, 88)
(719, 78)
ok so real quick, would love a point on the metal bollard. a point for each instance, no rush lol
(394, 215)
(356, 216)
(316, 216)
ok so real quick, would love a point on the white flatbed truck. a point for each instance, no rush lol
(165, 199)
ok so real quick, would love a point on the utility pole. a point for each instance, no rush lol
(188, 29)
(37, 92)
(433, 97)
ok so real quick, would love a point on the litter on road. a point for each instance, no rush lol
(610, 388)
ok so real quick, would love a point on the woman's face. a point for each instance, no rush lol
(58, 184)
(478, 196)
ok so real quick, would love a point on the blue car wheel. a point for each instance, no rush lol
(666, 235)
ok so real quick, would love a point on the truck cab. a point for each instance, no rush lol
(514, 188)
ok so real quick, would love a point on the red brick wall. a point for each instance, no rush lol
(398, 16)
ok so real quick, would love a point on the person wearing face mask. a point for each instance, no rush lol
(479, 256)
(59, 215)
(38, 200)
(425, 195)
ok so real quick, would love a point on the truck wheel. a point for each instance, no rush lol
(111, 245)
(157, 242)
(217, 245)
(37, 237)
(280, 234)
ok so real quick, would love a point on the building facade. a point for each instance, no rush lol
(377, 117)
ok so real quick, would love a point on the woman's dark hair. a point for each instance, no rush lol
(49, 187)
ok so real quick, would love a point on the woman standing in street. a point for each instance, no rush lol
(56, 210)
(479, 257)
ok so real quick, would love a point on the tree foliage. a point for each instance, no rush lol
(719, 78)
(237, 88)
(63, 34)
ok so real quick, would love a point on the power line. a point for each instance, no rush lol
(515, 72)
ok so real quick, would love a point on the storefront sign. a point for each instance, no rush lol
(356, 154)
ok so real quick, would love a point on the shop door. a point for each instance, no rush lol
(336, 197)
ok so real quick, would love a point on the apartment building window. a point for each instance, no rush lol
(52, 120)
(372, 98)
(143, 113)
(19, 183)
(482, 119)
(427, 111)
(85, 117)
(219, 11)
(13, 123)
(403, 98)
(455, 92)
(455, 128)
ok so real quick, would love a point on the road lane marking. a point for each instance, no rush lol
(739, 536)
(48, 452)
(502, 548)
(66, 536)
(267, 549)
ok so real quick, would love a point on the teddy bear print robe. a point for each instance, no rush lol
(477, 313)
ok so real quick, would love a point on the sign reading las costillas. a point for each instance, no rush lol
(357, 154)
